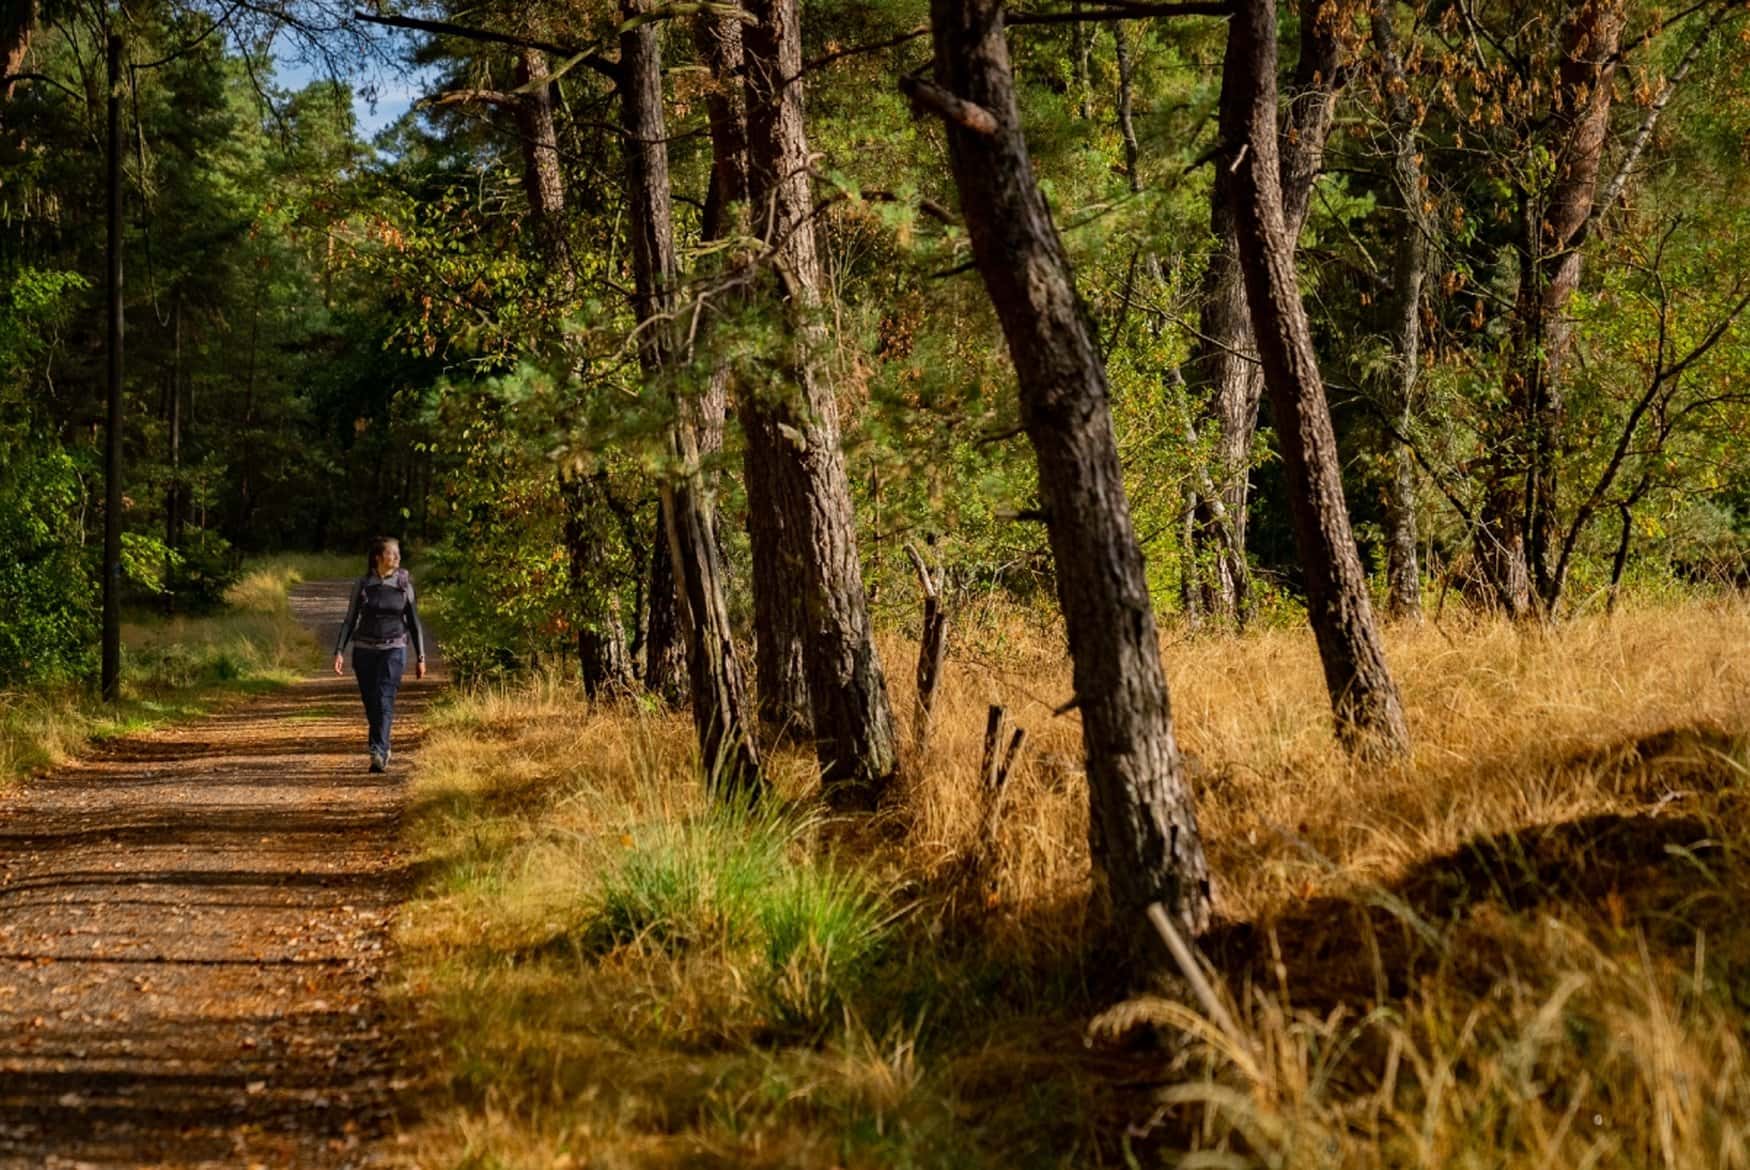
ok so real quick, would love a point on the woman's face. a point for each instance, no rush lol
(388, 560)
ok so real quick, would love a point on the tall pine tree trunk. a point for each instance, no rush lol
(727, 753)
(1142, 824)
(781, 689)
(1369, 715)
(797, 430)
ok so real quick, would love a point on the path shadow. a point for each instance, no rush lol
(1664, 868)
(192, 927)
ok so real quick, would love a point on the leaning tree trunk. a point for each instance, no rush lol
(1142, 823)
(727, 753)
(782, 682)
(797, 430)
(1369, 716)
(1403, 326)
(1517, 531)
(1224, 362)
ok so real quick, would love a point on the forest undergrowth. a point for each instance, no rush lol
(173, 667)
(1526, 947)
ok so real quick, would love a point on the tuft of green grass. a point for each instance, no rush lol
(741, 881)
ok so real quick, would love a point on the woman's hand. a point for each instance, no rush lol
(419, 669)
(340, 664)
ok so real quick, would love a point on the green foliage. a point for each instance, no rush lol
(48, 588)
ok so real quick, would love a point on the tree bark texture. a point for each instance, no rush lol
(1143, 827)
(602, 657)
(543, 180)
(799, 431)
(727, 753)
(781, 690)
(665, 650)
(776, 546)
(1369, 715)
(1224, 362)
(1403, 326)
(1519, 511)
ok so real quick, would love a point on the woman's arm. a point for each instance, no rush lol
(416, 635)
(352, 618)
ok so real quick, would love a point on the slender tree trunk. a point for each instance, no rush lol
(1404, 326)
(1519, 509)
(1082, 50)
(1369, 716)
(1224, 373)
(780, 623)
(799, 431)
(602, 657)
(1224, 361)
(727, 753)
(1619, 562)
(1142, 824)
(1126, 102)
(173, 429)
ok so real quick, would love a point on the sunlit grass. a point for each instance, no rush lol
(173, 667)
(1523, 948)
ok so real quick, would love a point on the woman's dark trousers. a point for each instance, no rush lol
(379, 675)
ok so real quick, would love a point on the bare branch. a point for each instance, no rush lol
(1104, 10)
(859, 50)
(954, 109)
(603, 65)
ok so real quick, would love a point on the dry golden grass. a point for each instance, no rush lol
(1524, 947)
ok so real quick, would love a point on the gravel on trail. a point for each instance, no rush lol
(193, 927)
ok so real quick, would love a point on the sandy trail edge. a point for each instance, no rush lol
(193, 924)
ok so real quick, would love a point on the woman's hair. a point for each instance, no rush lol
(379, 546)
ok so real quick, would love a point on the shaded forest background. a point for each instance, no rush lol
(329, 338)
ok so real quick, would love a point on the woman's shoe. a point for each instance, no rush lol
(378, 762)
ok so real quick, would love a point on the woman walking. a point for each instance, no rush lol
(380, 622)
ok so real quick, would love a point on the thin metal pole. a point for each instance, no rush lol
(112, 460)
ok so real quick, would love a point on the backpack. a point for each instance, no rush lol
(381, 606)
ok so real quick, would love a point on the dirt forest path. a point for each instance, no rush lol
(193, 925)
